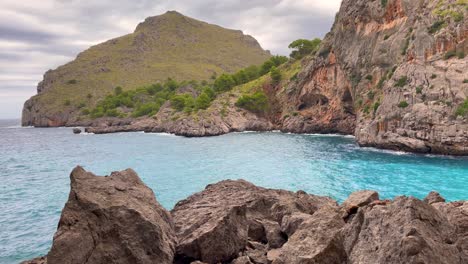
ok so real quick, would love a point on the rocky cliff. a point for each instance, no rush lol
(166, 46)
(116, 219)
(392, 73)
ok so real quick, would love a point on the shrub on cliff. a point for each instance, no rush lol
(275, 75)
(303, 47)
(257, 102)
(462, 109)
(224, 83)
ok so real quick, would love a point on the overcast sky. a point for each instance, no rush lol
(37, 35)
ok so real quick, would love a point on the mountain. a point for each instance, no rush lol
(393, 73)
(166, 46)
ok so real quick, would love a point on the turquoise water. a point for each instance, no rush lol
(35, 166)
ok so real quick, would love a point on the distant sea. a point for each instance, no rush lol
(35, 164)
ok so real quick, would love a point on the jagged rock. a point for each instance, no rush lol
(76, 131)
(39, 260)
(358, 199)
(113, 219)
(317, 240)
(406, 230)
(434, 197)
(274, 236)
(116, 219)
(212, 226)
(291, 223)
(242, 260)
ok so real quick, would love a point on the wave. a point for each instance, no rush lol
(160, 134)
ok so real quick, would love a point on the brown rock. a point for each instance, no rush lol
(39, 260)
(358, 199)
(434, 197)
(242, 260)
(406, 230)
(317, 240)
(212, 226)
(114, 219)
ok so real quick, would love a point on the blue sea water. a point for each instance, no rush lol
(35, 166)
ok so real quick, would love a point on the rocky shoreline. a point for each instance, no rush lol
(117, 219)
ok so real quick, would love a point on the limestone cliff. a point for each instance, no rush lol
(391, 72)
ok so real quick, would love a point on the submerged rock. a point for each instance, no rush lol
(114, 219)
(76, 131)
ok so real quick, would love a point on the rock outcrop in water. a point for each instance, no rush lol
(116, 219)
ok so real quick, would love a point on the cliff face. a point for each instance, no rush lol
(391, 72)
(116, 219)
(166, 46)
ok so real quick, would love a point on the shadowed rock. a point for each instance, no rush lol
(213, 225)
(114, 219)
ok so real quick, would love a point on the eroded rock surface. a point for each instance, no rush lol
(116, 219)
(113, 219)
(216, 224)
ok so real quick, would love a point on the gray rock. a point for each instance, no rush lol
(76, 131)
(114, 219)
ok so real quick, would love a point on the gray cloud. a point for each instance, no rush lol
(39, 35)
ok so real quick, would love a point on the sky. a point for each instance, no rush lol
(37, 35)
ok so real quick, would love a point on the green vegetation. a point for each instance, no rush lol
(384, 3)
(405, 47)
(433, 76)
(304, 47)
(369, 77)
(462, 109)
(382, 81)
(450, 54)
(140, 102)
(185, 49)
(275, 75)
(67, 102)
(402, 81)
(371, 95)
(147, 100)
(376, 106)
(461, 54)
(257, 102)
(438, 25)
(453, 11)
(419, 89)
(226, 82)
(465, 81)
(403, 104)
(391, 72)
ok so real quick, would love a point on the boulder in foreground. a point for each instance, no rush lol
(113, 219)
(116, 219)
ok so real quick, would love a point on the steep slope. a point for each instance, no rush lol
(393, 73)
(166, 46)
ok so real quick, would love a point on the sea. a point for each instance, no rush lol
(35, 164)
